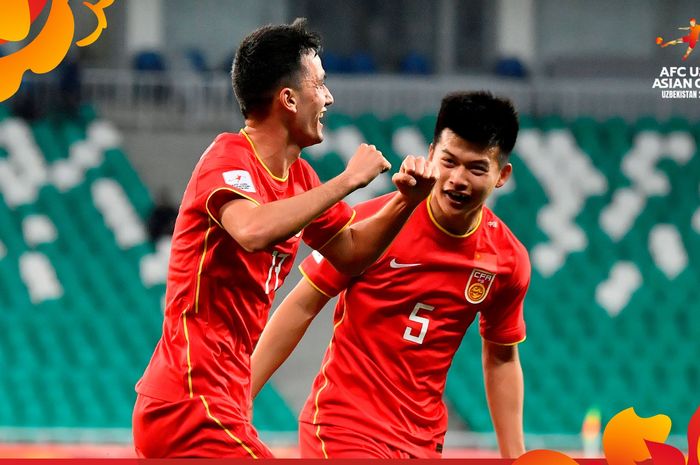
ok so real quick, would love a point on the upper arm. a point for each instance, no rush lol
(305, 297)
(235, 217)
(340, 246)
(496, 354)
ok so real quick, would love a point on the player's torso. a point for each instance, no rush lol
(218, 295)
(399, 326)
(426, 290)
(209, 265)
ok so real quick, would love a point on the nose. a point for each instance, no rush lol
(329, 97)
(458, 179)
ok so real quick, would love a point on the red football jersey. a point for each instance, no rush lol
(398, 326)
(218, 295)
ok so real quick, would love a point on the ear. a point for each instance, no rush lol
(431, 151)
(288, 99)
(504, 175)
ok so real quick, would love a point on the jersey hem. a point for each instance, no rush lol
(504, 343)
(352, 217)
(310, 281)
(237, 192)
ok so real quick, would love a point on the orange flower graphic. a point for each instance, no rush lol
(49, 47)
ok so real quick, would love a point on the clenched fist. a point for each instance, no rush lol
(415, 178)
(366, 164)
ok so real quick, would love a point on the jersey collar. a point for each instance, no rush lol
(441, 228)
(250, 141)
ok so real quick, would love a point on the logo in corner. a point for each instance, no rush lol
(50, 46)
(478, 286)
(691, 38)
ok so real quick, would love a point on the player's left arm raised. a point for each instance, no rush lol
(503, 382)
(359, 245)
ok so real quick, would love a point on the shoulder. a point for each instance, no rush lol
(507, 244)
(227, 148)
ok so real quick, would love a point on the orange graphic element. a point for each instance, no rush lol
(631, 440)
(14, 23)
(49, 47)
(98, 10)
(691, 38)
(626, 435)
(43, 53)
(544, 457)
(16, 20)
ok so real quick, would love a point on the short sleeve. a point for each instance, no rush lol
(322, 275)
(503, 322)
(221, 179)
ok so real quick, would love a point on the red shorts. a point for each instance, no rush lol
(690, 41)
(335, 442)
(206, 427)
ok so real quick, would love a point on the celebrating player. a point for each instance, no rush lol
(398, 325)
(250, 200)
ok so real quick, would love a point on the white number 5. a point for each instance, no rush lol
(424, 322)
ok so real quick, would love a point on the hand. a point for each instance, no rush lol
(416, 178)
(366, 164)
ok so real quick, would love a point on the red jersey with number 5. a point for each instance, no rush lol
(218, 295)
(398, 326)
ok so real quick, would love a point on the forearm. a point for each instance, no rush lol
(362, 243)
(267, 224)
(503, 382)
(283, 332)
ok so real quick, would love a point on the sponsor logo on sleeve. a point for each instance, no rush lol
(478, 286)
(240, 179)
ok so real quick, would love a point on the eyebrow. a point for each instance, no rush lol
(486, 159)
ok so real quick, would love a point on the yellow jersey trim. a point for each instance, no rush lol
(352, 217)
(439, 226)
(313, 284)
(189, 360)
(206, 204)
(501, 344)
(325, 384)
(201, 265)
(228, 432)
(255, 151)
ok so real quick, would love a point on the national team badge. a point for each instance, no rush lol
(478, 286)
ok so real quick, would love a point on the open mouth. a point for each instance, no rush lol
(457, 197)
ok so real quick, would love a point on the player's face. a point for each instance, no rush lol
(468, 175)
(313, 98)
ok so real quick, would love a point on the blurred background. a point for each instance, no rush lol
(95, 156)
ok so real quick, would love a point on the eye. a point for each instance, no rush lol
(448, 162)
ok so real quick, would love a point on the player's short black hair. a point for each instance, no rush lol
(480, 118)
(267, 59)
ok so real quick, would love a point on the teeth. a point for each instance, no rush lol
(457, 196)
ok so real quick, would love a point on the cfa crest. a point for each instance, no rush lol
(478, 286)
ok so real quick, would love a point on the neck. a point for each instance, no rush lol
(459, 225)
(273, 145)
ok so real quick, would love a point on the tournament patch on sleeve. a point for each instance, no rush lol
(240, 179)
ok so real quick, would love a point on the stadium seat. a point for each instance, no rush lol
(76, 354)
(611, 325)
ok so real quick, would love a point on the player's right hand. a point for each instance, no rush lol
(366, 164)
